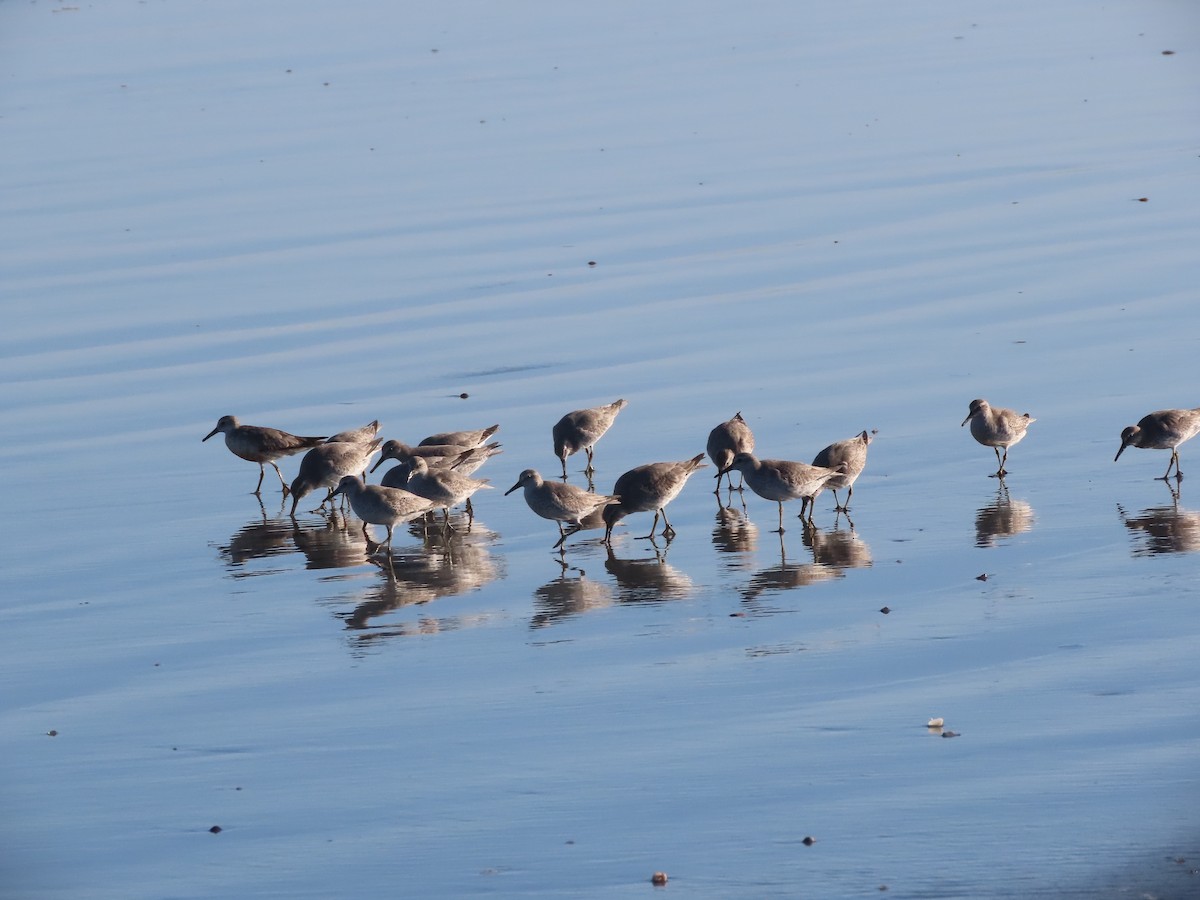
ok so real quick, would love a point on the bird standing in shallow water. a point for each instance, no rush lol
(852, 452)
(261, 445)
(579, 430)
(441, 487)
(649, 487)
(726, 441)
(997, 427)
(378, 505)
(560, 502)
(1165, 429)
(326, 464)
(781, 480)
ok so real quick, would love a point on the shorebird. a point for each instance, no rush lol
(782, 480)
(560, 502)
(364, 434)
(852, 452)
(457, 456)
(1165, 429)
(996, 428)
(443, 488)
(378, 505)
(726, 441)
(461, 438)
(579, 430)
(261, 445)
(326, 464)
(649, 487)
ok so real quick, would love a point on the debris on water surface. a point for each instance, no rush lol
(216, 829)
(809, 840)
(949, 734)
(936, 723)
(52, 733)
(658, 878)
(886, 610)
(983, 577)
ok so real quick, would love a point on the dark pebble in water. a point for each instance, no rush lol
(885, 610)
(809, 841)
(52, 733)
(216, 829)
(463, 396)
(1168, 53)
(982, 577)
(591, 262)
(949, 734)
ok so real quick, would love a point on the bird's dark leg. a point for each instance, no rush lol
(653, 527)
(258, 487)
(780, 530)
(280, 474)
(1174, 461)
(589, 468)
(668, 529)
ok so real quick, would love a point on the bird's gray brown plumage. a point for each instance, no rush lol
(443, 488)
(1164, 429)
(559, 501)
(726, 441)
(580, 429)
(782, 480)
(378, 505)
(649, 488)
(476, 438)
(852, 452)
(997, 427)
(261, 445)
(363, 434)
(326, 464)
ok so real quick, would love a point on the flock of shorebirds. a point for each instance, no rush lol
(436, 473)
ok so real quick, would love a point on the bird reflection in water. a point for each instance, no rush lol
(1163, 529)
(260, 538)
(787, 576)
(445, 564)
(648, 579)
(568, 595)
(1002, 518)
(734, 535)
(331, 541)
(838, 547)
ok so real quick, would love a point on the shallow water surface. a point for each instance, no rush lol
(312, 217)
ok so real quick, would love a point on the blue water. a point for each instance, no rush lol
(312, 217)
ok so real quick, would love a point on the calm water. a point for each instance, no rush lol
(311, 217)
